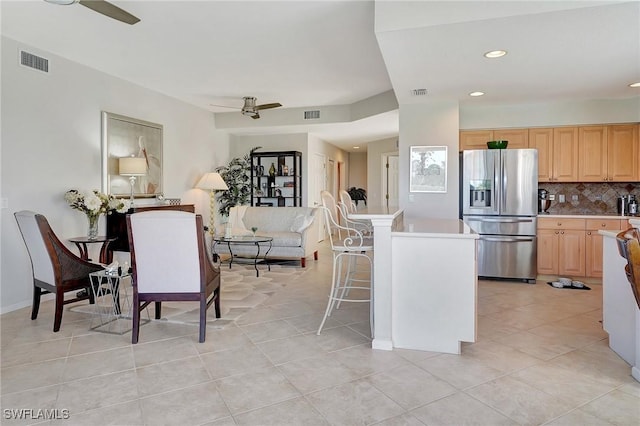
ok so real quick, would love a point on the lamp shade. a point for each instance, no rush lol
(132, 166)
(212, 181)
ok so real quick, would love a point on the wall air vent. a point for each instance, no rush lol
(419, 92)
(32, 61)
(311, 115)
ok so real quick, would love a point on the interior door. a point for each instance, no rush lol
(390, 185)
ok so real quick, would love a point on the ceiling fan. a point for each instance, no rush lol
(102, 6)
(250, 108)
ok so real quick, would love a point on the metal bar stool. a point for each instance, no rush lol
(346, 252)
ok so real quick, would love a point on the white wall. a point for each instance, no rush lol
(51, 143)
(357, 170)
(429, 124)
(551, 114)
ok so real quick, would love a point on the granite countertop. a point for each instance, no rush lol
(587, 216)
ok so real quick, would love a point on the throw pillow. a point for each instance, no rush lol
(300, 223)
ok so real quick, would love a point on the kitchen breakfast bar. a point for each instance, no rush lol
(425, 281)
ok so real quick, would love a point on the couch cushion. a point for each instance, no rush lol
(273, 219)
(301, 222)
(285, 239)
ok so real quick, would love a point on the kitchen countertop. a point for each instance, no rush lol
(587, 216)
(437, 228)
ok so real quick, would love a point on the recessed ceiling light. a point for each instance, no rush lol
(635, 84)
(356, 147)
(495, 54)
(476, 93)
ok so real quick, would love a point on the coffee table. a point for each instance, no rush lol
(256, 240)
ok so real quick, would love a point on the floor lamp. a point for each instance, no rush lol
(132, 167)
(212, 182)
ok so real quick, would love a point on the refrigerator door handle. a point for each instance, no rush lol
(500, 220)
(497, 189)
(503, 188)
(507, 240)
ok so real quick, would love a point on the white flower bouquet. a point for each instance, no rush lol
(95, 203)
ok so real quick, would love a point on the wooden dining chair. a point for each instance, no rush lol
(629, 248)
(170, 262)
(55, 268)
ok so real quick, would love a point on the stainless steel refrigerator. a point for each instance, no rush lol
(499, 201)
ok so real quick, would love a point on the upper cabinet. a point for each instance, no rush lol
(565, 154)
(542, 140)
(609, 153)
(623, 161)
(518, 138)
(557, 153)
(599, 153)
(477, 139)
(593, 154)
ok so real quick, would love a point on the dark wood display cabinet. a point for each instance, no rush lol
(276, 179)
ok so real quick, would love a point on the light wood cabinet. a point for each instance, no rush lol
(608, 153)
(623, 148)
(557, 153)
(601, 153)
(593, 243)
(592, 142)
(548, 251)
(565, 154)
(561, 247)
(475, 139)
(542, 140)
(518, 138)
(572, 247)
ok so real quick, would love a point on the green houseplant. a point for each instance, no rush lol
(237, 176)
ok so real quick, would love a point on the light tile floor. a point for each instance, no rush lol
(541, 357)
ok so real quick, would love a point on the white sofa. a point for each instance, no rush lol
(294, 231)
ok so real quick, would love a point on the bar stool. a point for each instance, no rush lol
(346, 274)
(347, 206)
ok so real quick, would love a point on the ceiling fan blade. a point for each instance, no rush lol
(110, 10)
(268, 106)
(225, 106)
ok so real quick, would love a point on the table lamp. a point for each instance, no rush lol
(213, 182)
(132, 167)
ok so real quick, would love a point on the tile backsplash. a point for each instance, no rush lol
(592, 198)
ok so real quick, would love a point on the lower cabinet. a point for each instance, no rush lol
(572, 247)
(594, 242)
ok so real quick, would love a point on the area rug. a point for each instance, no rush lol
(241, 291)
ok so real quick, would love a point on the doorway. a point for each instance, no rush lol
(390, 184)
(318, 183)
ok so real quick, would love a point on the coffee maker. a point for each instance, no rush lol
(543, 201)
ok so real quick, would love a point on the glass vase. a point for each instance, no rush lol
(92, 234)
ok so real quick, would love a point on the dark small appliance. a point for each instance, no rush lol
(543, 201)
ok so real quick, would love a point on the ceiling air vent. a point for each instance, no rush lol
(311, 115)
(32, 61)
(419, 92)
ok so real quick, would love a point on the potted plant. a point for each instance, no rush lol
(237, 176)
(358, 194)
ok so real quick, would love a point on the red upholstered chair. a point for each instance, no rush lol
(55, 268)
(171, 263)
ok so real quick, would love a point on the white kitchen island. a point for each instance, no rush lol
(620, 313)
(425, 282)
